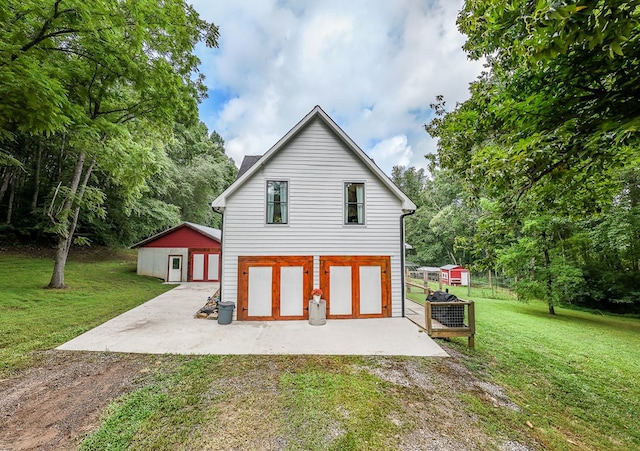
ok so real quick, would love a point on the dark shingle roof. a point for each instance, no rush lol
(247, 162)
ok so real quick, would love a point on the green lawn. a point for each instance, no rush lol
(33, 318)
(575, 376)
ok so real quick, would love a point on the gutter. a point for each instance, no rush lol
(220, 211)
(402, 259)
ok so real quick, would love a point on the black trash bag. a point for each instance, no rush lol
(441, 296)
(447, 315)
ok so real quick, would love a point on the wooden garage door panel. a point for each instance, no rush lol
(259, 291)
(291, 291)
(288, 286)
(340, 290)
(370, 289)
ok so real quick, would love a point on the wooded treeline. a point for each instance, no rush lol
(537, 174)
(99, 133)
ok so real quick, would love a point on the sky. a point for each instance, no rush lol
(374, 66)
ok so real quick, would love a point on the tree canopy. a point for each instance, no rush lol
(558, 104)
(90, 93)
(547, 144)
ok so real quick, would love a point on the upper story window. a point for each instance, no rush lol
(354, 203)
(277, 202)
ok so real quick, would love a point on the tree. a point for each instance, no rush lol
(200, 171)
(111, 78)
(559, 103)
(443, 225)
(547, 129)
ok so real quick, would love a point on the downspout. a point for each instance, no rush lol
(402, 259)
(220, 212)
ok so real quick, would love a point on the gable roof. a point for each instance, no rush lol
(254, 165)
(449, 267)
(209, 232)
(247, 162)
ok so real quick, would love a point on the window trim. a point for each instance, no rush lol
(286, 202)
(345, 203)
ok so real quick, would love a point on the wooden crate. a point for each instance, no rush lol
(436, 329)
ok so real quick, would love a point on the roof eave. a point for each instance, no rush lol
(220, 202)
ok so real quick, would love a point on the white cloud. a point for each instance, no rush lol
(374, 67)
(392, 152)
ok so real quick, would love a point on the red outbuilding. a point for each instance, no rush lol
(185, 253)
(454, 275)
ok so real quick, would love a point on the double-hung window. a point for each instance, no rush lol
(353, 203)
(277, 202)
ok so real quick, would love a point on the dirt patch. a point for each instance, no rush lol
(55, 405)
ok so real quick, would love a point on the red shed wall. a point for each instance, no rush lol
(184, 237)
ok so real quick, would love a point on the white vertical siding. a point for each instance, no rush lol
(154, 261)
(316, 164)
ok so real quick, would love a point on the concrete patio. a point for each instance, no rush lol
(166, 325)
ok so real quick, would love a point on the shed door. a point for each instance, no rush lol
(175, 268)
(356, 287)
(205, 266)
(198, 266)
(274, 288)
(213, 269)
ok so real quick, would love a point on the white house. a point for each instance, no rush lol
(314, 211)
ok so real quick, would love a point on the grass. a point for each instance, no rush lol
(161, 415)
(575, 376)
(323, 403)
(349, 409)
(33, 318)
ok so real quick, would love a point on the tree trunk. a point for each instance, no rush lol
(12, 194)
(634, 198)
(57, 278)
(65, 237)
(6, 177)
(36, 182)
(547, 264)
(76, 213)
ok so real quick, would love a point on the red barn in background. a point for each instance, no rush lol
(185, 253)
(454, 275)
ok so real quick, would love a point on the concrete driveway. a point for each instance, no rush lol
(166, 325)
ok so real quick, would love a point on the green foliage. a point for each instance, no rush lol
(552, 109)
(547, 144)
(198, 172)
(99, 128)
(106, 79)
(443, 226)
